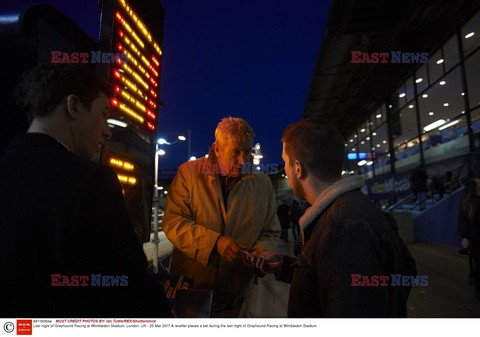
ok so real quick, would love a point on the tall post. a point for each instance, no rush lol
(155, 215)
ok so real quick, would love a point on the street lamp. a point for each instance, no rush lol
(158, 152)
(188, 138)
(257, 154)
(163, 141)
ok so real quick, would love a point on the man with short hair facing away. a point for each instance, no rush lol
(344, 233)
(216, 209)
(62, 216)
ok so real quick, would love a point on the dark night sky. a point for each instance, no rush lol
(245, 58)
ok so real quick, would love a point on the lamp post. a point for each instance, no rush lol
(158, 152)
(156, 201)
(257, 154)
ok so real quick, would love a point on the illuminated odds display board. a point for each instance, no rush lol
(131, 33)
(136, 71)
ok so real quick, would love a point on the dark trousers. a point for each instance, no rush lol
(285, 226)
(295, 229)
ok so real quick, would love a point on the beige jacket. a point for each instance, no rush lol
(195, 217)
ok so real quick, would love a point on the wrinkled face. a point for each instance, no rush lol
(291, 177)
(91, 129)
(230, 153)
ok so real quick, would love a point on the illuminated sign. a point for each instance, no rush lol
(127, 179)
(121, 164)
(132, 31)
(360, 155)
(136, 82)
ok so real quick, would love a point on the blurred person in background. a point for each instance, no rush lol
(469, 227)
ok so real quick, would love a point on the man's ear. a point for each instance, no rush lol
(73, 103)
(299, 170)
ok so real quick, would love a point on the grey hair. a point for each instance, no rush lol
(234, 128)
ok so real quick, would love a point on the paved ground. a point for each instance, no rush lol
(448, 293)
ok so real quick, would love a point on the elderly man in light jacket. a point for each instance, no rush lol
(216, 209)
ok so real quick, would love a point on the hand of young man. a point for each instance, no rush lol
(228, 248)
(267, 262)
(249, 259)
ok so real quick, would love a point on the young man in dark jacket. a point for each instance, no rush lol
(349, 247)
(68, 247)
